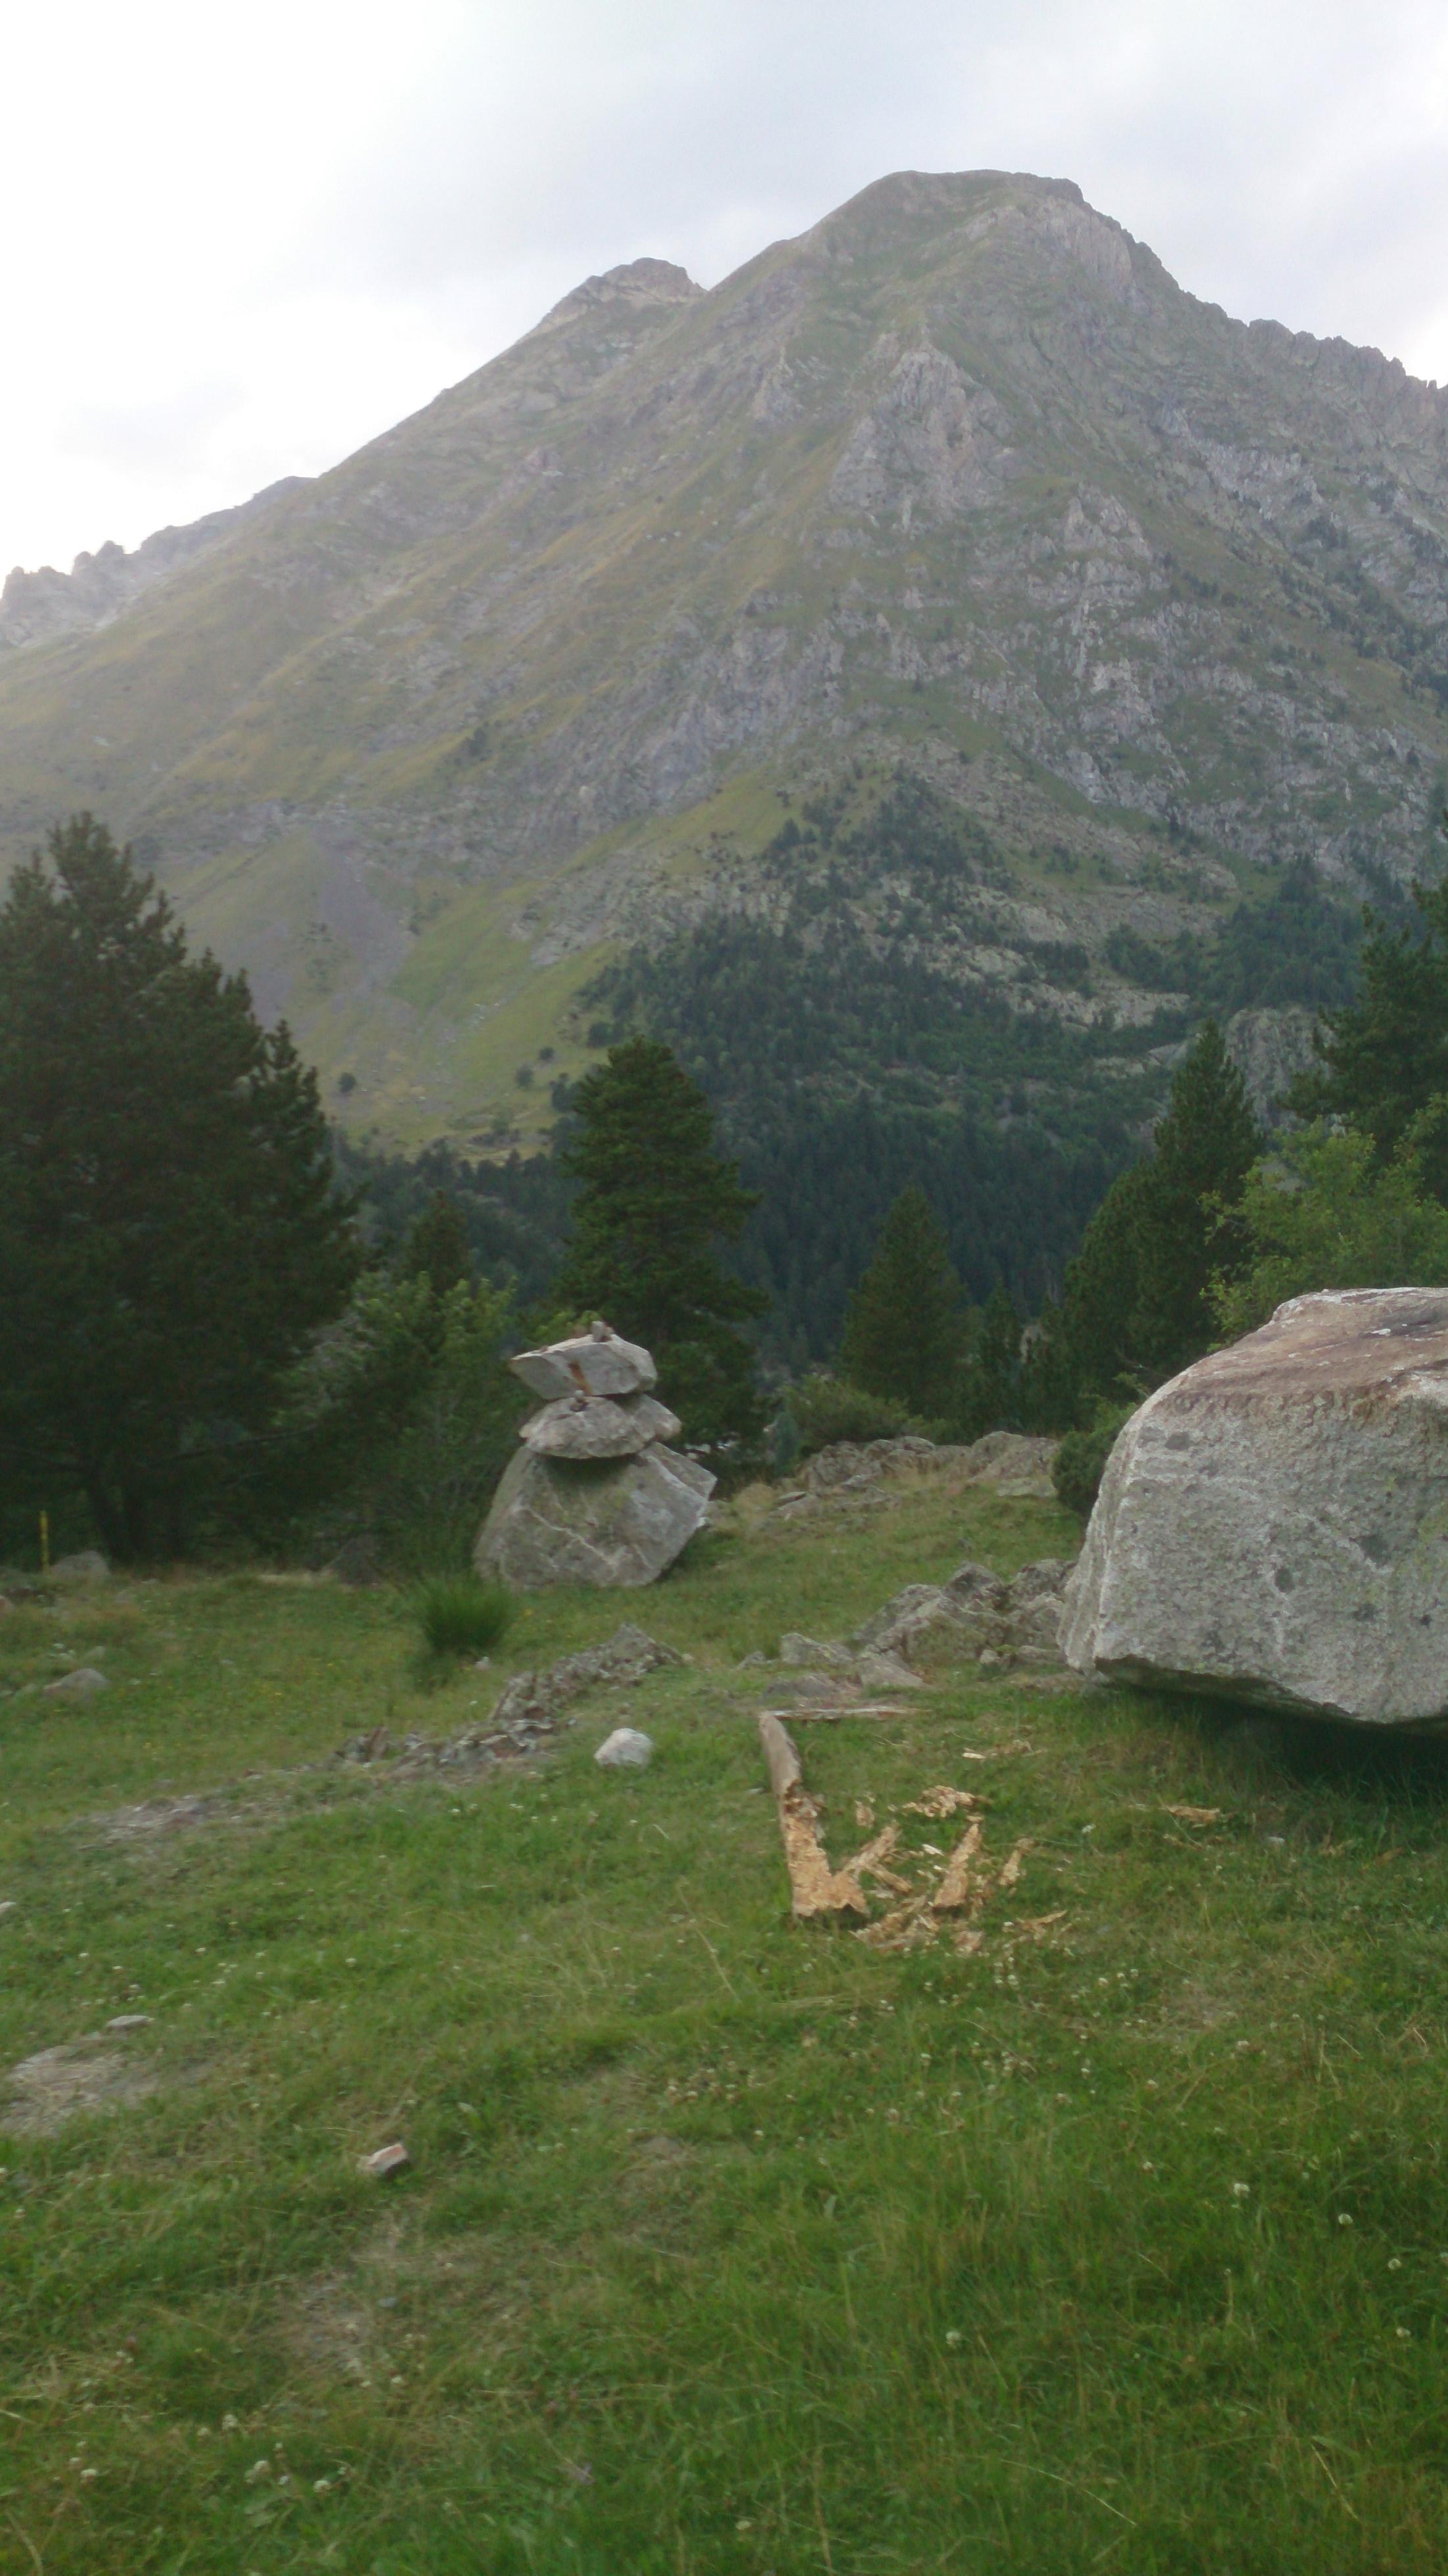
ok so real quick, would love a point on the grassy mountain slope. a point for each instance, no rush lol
(1153, 600)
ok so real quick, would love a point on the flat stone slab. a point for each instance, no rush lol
(599, 1426)
(1272, 1525)
(599, 1362)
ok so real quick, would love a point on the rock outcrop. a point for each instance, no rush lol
(975, 1612)
(595, 1495)
(1273, 1524)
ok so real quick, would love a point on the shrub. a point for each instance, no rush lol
(459, 1614)
(825, 1409)
(399, 1425)
(1081, 1458)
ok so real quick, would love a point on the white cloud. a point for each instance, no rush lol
(246, 243)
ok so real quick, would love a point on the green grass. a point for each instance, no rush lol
(726, 2245)
(459, 1615)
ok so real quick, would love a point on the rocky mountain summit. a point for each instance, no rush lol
(959, 486)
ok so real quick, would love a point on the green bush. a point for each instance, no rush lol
(1081, 1458)
(825, 1409)
(398, 1426)
(461, 1615)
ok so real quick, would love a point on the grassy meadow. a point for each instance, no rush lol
(726, 2244)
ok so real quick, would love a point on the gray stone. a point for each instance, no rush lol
(1013, 1463)
(1271, 1525)
(78, 1684)
(625, 1750)
(606, 1521)
(625, 1657)
(86, 1566)
(598, 1362)
(877, 1672)
(975, 1609)
(794, 1648)
(599, 1426)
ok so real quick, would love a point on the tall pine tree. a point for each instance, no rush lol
(1137, 1303)
(169, 1232)
(1384, 1058)
(904, 1330)
(656, 1199)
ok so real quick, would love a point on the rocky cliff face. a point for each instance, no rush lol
(960, 479)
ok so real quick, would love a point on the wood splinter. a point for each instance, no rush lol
(816, 1890)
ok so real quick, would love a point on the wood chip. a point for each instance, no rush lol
(873, 1862)
(946, 1801)
(816, 1890)
(961, 1886)
(907, 1927)
(1195, 1815)
(1034, 1927)
(1011, 1869)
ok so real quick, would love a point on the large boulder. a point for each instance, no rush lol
(1272, 1525)
(607, 1521)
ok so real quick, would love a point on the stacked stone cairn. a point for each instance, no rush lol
(595, 1495)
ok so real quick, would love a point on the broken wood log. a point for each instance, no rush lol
(816, 1890)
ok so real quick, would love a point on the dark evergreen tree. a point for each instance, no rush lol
(169, 1232)
(655, 1199)
(1203, 1150)
(1383, 1058)
(1137, 1301)
(436, 1247)
(989, 1389)
(904, 1330)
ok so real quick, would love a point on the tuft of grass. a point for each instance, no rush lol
(459, 1614)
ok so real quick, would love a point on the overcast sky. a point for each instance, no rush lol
(242, 241)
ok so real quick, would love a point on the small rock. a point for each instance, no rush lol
(990, 1661)
(384, 2161)
(86, 1566)
(625, 1750)
(129, 2021)
(879, 1672)
(484, 1664)
(758, 1657)
(78, 1684)
(8, 1904)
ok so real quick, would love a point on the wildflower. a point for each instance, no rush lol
(1343, 2219)
(953, 2336)
(1405, 2335)
(1395, 2262)
(1240, 2190)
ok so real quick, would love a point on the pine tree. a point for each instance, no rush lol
(437, 1248)
(1383, 1058)
(655, 1199)
(903, 1327)
(169, 1231)
(1203, 1150)
(989, 1392)
(1137, 1303)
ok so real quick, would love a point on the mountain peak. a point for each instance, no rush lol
(635, 281)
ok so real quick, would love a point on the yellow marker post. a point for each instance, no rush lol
(45, 1542)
